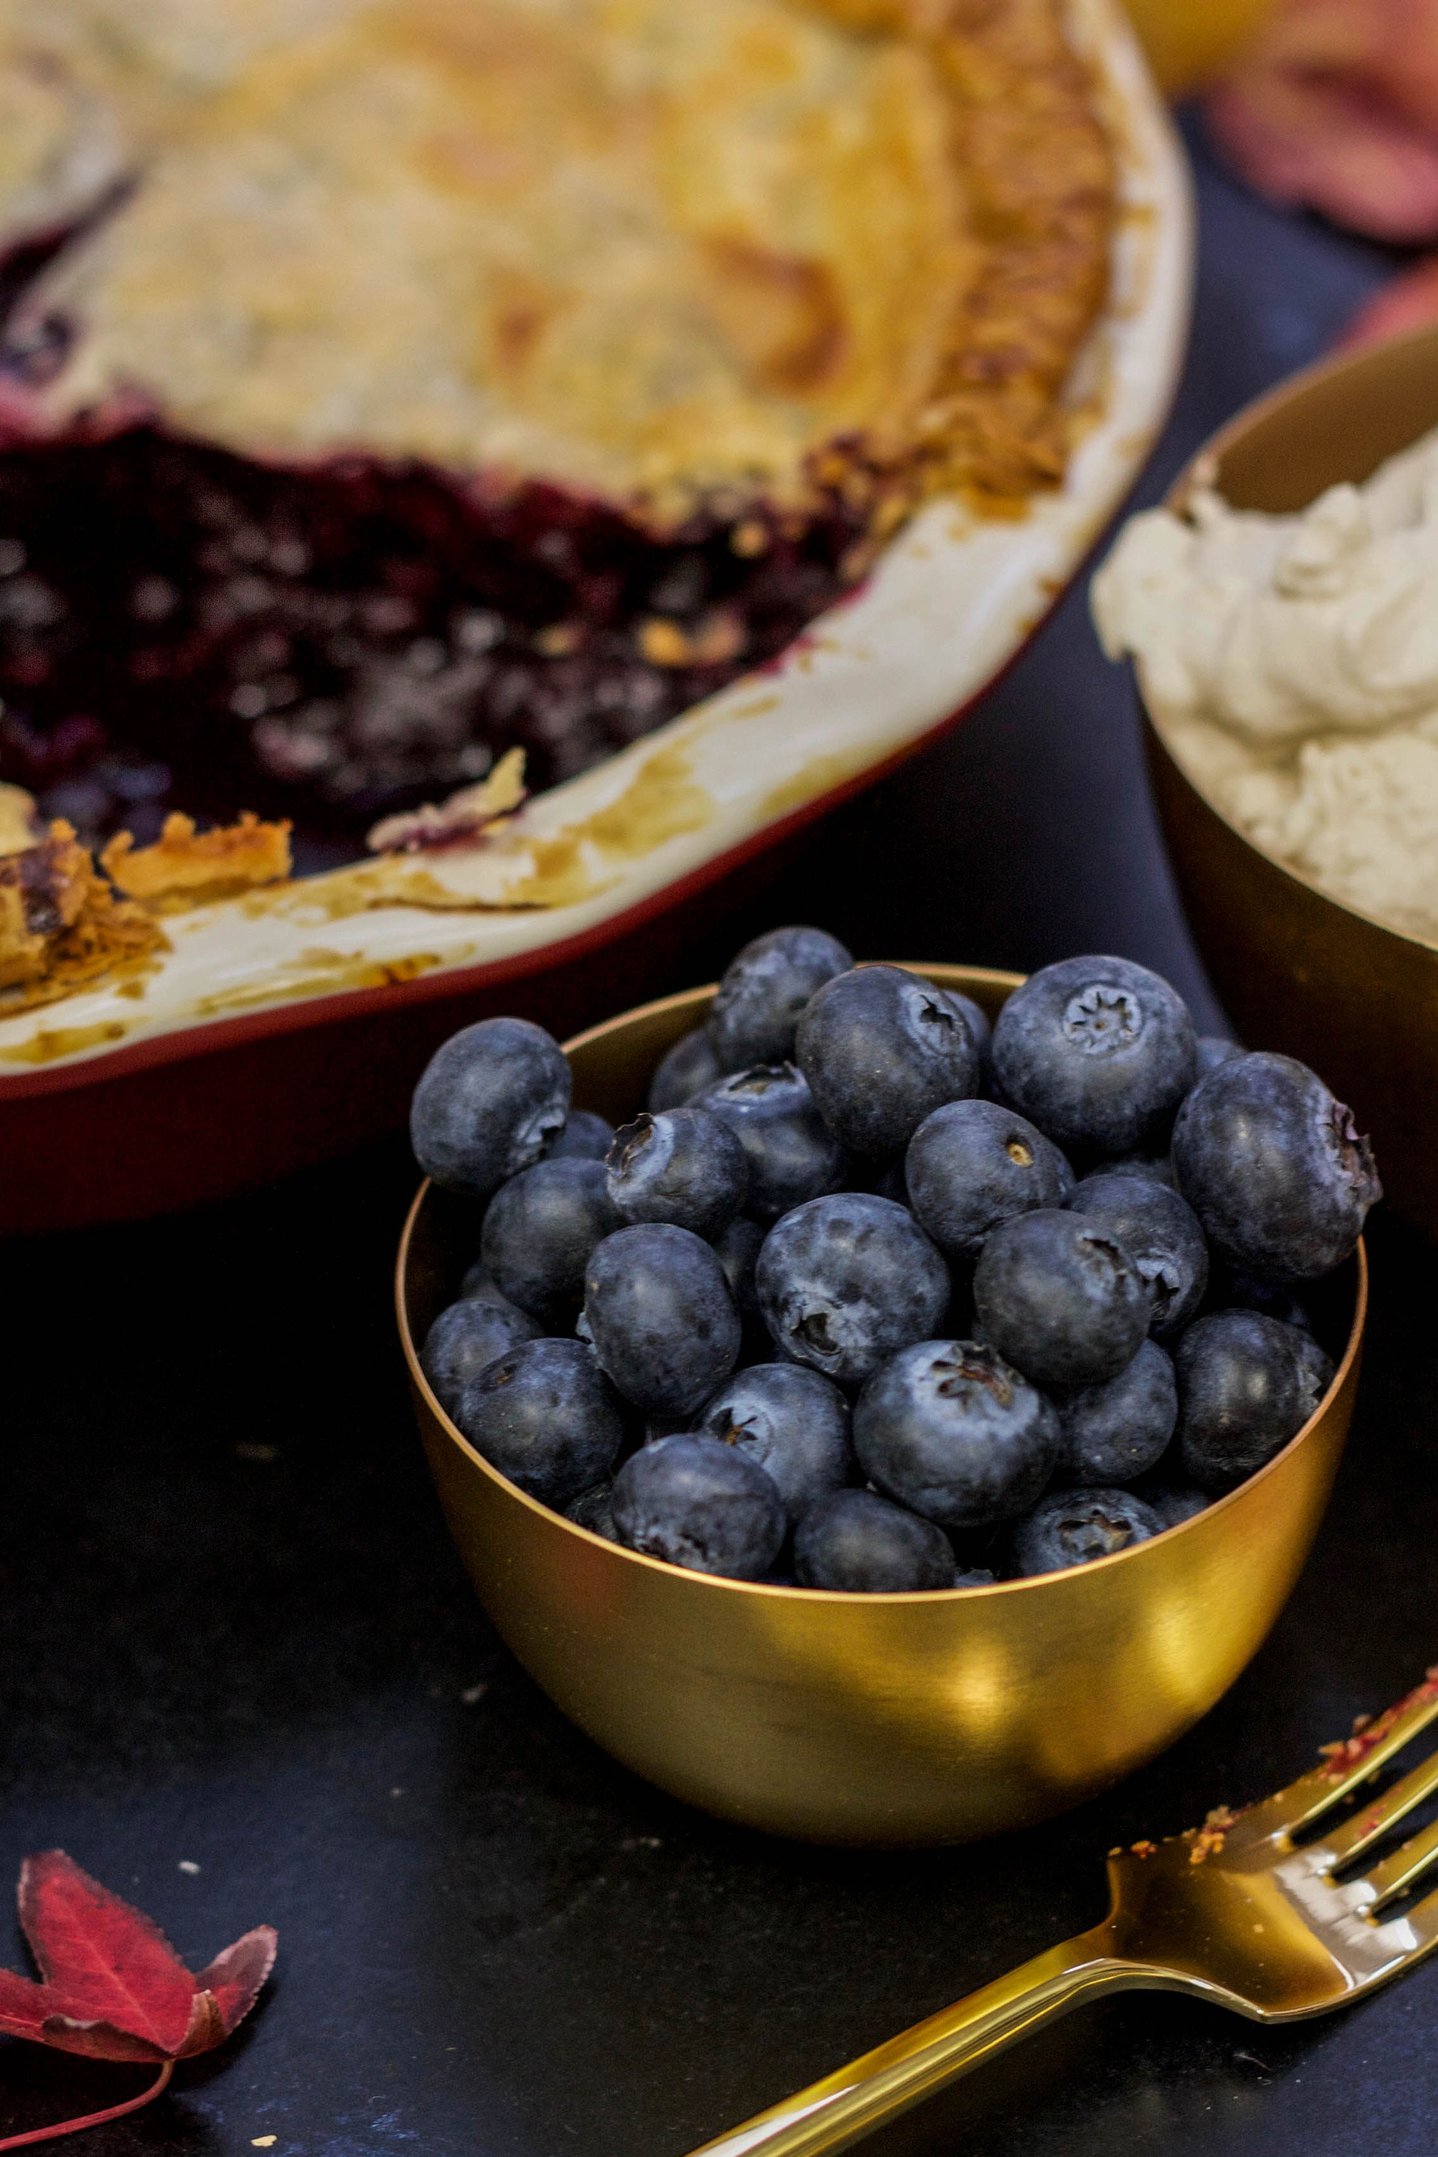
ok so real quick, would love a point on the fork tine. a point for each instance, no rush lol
(1405, 1868)
(1303, 1802)
(1371, 1822)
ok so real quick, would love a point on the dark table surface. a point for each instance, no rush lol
(236, 1638)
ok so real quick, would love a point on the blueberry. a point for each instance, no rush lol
(881, 1049)
(737, 1249)
(545, 1416)
(1097, 1052)
(539, 1231)
(480, 1282)
(756, 1010)
(465, 1338)
(663, 1322)
(1073, 1527)
(1273, 1167)
(488, 1103)
(585, 1137)
(974, 1576)
(1152, 1167)
(683, 1166)
(1246, 1384)
(972, 1164)
(864, 1545)
(1276, 1299)
(949, 1430)
(1213, 1050)
(845, 1281)
(1174, 1506)
(1119, 1430)
(980, 1026)
(1060, 1297)
(594, 1509)
(794, 1422)
(699, 1503)
(792, 1153)
(684, 1071)
(1160, 1232)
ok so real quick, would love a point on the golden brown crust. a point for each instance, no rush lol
(186, 867)
(843, 242)
(62, 927)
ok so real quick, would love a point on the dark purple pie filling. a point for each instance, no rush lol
(183, 627)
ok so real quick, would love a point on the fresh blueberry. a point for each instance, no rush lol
(1097, 1052)
(1160, 1232)
(881, 1049)
(683, 1166)
(480, 1282)
(1174, 1506)
(1060, 1298)
(1073, 1527)
(972, 1164)
(1213, 1050)
(465, 1338)
(539, 1231)
(757, 1007)
(663, 1322)
(794, 1422)
(974, 1576)
(845, 1281)
(488, 1103)
(594, 1509)
(585, 1137)
(1152, 1167)
(1274, 1167)
(1120, 1429)
(737, 1249)
(1246, 1384)
(544, 1415)
(980, 1026)
(864, 1545)
(699, 1503)
(1276, 1299)
(792, 1153)
(684, 1071)
(949, 1430)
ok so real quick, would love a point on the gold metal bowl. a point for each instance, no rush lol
(1296, 969)
(865, 1718)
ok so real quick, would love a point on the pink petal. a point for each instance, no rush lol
(1408, 303)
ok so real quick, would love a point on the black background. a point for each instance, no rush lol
(235, 1633)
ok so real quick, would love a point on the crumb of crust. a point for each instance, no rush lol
(464, 816)
(1208, 1840)
(1345, 1754)
(1142, 1848)
(19, 824)
(186, 867)
(62, 926)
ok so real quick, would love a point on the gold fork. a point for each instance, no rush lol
(1240, 1911)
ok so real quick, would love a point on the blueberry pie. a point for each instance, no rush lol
(389, 384)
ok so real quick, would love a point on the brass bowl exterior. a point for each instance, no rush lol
(864, 1719)
(1295, 969)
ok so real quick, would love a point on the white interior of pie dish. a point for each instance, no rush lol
(951, 600)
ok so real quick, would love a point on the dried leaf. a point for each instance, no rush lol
(111, 1986)
(1336, 108)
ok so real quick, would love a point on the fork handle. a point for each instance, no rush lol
(835, 2113)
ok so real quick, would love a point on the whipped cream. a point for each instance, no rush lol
(1291, 665)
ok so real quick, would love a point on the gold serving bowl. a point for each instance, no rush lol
(918, 1718)
(1296, 969)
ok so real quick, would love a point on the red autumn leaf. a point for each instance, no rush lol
(111, 1986)
(1335, 106)
(1410, 302)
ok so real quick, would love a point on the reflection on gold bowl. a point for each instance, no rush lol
(852, 1718)
(1295, 969)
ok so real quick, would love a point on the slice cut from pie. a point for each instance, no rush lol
(389, 383)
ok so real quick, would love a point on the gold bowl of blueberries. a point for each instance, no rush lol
(883, 1404)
